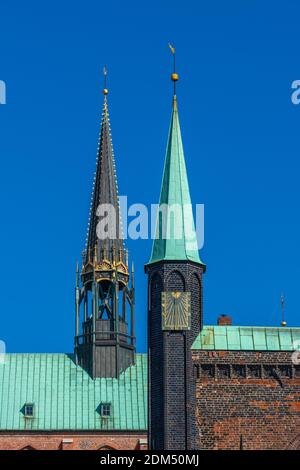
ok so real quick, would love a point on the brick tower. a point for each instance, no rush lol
(174, 305)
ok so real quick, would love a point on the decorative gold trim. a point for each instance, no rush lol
(121, 267)
(105, 265)
(100, 279)
(86, 266)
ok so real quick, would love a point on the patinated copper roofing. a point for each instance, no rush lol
(176, 236)
(65, 397)
(247, 338)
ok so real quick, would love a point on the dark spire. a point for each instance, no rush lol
(104, 297)
(105, 191)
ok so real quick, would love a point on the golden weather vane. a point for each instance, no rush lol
(105, 90)
(174, 76)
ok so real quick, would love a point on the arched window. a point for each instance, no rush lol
(176, 282)
(196, 302)
(28, 448)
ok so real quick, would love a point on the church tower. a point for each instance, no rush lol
(174, 304)
(104, 337)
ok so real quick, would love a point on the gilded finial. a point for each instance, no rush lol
(105, 90)
(283, 323)
(174, 75)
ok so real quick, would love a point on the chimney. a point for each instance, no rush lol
(224, 320)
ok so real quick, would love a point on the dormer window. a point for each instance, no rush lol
(29, 410)
(105, 410)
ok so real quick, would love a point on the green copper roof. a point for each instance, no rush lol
(66, 398)
(247, 338)
(176, 236)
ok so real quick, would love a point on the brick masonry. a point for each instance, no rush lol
(247, 399)
(72, 441)
(172, 398)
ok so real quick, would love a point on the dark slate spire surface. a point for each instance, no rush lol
(105, 191)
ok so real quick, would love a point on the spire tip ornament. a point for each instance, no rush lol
(174, 75)
(105, 90)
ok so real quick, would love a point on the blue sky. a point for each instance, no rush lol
(236, 62)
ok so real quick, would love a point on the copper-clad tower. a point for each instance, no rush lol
(175, 315)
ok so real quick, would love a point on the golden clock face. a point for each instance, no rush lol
(176, 310)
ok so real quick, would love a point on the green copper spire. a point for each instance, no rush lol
(175, 229)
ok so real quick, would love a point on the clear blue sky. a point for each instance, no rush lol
(241, 134)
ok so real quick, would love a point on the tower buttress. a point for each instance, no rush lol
(104, 336)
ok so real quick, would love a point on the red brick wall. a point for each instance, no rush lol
(77, 441)
(235, 407)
